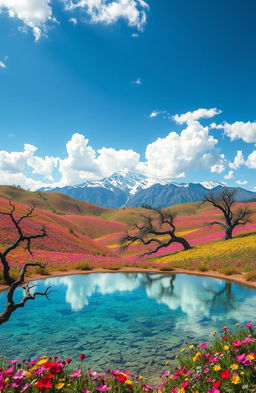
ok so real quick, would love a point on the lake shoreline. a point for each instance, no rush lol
(237, 278)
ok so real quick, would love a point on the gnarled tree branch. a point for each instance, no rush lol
(13, 284)
(224, 201)
(147, 230)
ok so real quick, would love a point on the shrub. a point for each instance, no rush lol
(251, 276)
(166, 268)
(84, 265)
(228, 271)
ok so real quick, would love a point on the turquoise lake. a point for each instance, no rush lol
(124, 320)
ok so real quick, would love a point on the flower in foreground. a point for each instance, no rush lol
(103, 388)
(75, 374)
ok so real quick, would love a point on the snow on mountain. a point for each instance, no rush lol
(124, 188)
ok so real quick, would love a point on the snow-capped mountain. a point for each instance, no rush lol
(124, 188)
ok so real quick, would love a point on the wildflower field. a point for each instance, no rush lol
(84, 236)
(227, 364)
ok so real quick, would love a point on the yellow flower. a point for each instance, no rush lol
(226, 347)
(181, 390)
(42, 361)
(216, 367)
(235, 379)
(242, 373)
(128, 382)
(182, 349)
(59, 385)
(191, 346)
(234, 366)
(7, 380)
(141, 377)
(197, 355)
(28, 374)
(250, 356)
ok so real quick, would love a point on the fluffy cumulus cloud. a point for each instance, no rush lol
(13, 165)
(34, 14)
(251, 161)
(174, 155)
(239, 130)
(134, 12)
(83, 162)
(189, 117)
(37, 14)
(229, 175)
(238, 160)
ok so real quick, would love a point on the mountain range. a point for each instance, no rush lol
(132, 189)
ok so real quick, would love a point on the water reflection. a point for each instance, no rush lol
(130, 321)
(195, 296)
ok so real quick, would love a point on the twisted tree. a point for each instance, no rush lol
(13, 283)
(224, 201)
(161, 224)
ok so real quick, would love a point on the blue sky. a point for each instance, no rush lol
(89, 87)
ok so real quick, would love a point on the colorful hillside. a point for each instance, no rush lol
(91, 236)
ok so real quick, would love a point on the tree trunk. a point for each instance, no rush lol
(228, 233)
(6, 272)
(182, 241)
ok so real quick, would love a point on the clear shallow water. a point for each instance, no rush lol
(134, 321)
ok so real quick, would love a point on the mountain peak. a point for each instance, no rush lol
(124, 188)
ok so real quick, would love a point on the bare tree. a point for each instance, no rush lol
(224, 201)
(13, 283)
(164, 227)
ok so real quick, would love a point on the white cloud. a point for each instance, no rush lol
(238, 160)
(73, 20)
(83, 162)
(229, 176)
(251, 161)
(174, 155)
(13, 165)
(201, 113)
(33, 13)
(137, 81)
(157, 113)
(43, 166)
(239, 130)
(2, 64)
(134, 12)
(134, 35)
(241, 182)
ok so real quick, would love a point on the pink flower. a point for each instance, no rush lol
(24, 387)
(86, 391)
(19, 374)
(75, 374)
(213, 390)
(203, 345)
(103, 388)
(248, 325)
(236, 343)
(82, 356)
(184, 384)
(13, 361)
(206, 370)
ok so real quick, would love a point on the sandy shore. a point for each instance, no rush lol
(238, 278)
